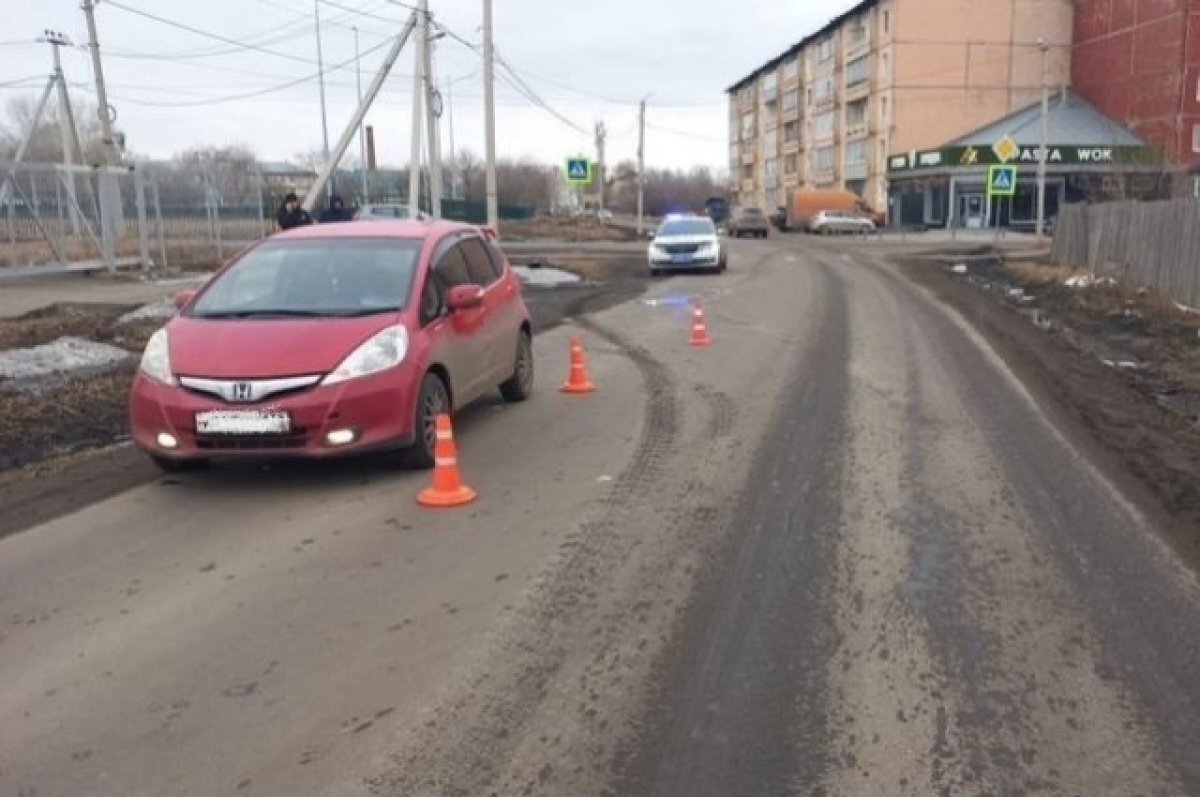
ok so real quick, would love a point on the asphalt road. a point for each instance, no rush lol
(842, 552)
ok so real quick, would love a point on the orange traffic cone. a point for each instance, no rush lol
(699, 327)
(447, 489)
(578, 381)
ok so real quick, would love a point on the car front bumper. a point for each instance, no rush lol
(667, 261)
(376, 412)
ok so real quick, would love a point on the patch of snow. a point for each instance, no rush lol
(63, 355)
(1088, 281)
(545, 277)
(960, 268)
(156, 311)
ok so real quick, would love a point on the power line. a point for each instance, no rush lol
(251, 94)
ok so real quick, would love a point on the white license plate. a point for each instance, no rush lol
(243, 422)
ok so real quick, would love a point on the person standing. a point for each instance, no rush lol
(291, 214)
(336, 211)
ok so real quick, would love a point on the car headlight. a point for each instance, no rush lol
(386, 349)
(708, 246)
(156, 359)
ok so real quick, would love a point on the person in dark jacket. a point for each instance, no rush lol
(336, 211)
(291, 214)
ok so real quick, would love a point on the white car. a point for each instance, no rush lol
(381, 212)
(838, 222)
(686, 243)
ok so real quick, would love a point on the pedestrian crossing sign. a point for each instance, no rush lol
(1002, 181)
(579, 170)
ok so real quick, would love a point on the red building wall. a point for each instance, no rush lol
(1139, 62)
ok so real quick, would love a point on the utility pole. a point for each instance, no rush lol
(66, 126)
(453, 165)
(433, 112)
(601, 134)
(321, 82)
(106, 111)
(362, 138)
(489, 116)
(1042, 153)
(641, 167)
(414, 169)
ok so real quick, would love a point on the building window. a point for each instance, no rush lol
(810, 98)
(858, 31)
(883, 112)
(856, 113)
(823, 125)
(748, 127)
(883, 66)
(822, 159)
(1195, 138)
(791, 100)
(791, 161)
(825, 50)
(791, 69)
(856, 152)
(824, 90)
(858, 71)
(887, 21)
(791, 132)
(771, 144)
(748, 172)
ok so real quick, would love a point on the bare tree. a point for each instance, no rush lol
(45, 144)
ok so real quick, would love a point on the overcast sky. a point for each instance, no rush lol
(588, 60)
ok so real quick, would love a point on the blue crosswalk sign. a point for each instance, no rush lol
(579, 170)
(1002, 180)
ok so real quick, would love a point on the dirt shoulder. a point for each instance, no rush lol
(1119, 366)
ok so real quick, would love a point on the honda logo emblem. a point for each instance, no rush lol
(242, 391)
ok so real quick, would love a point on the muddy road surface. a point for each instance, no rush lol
(842, 551)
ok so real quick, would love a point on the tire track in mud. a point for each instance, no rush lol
(469, 745)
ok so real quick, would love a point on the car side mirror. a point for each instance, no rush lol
(464, 297)
(183, 298)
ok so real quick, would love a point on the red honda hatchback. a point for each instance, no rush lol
(334, 339)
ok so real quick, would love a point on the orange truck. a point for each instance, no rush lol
(806, 202)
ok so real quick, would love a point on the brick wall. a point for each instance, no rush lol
(1139, 62)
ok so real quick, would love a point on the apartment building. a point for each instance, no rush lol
(1139, 62)
(887, 76)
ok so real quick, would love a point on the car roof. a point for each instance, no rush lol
(397, 228)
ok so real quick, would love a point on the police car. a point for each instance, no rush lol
(686, 243)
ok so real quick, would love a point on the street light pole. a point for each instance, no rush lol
(1042, 153)
(489, 116)
(414, 169)
(362, 138)
(105, 111)
(641, 167)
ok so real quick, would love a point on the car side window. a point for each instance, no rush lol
(451, 268)
(479, 264)
(497, 257)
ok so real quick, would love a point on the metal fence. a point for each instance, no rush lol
(1156, 244)
(87, 218)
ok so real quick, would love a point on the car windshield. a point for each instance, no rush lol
(686, 227)
(331, 277)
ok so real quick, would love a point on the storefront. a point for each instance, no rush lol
(948, 186)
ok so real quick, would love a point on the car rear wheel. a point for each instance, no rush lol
(519, 386)
(168, 465)
(432, 401)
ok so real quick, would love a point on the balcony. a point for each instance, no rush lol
(856, 130)
(856, 171)
(791, 147)
(856, 48)
(824, 176)
(748, 186)
(748, 157)
(827, 101)
(770, 96)
(858, 90)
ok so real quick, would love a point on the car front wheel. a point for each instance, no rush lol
(432, 401)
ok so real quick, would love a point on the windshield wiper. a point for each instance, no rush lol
(365, 311)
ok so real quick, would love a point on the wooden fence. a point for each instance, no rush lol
(1156, 244)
